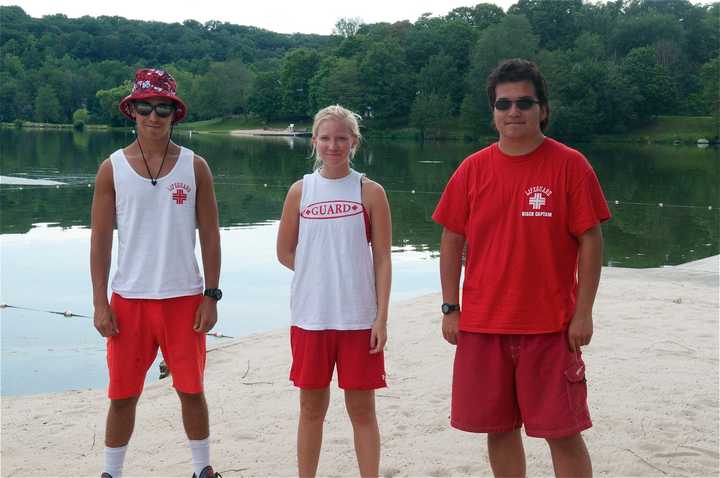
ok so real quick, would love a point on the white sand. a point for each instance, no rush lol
(652, 371)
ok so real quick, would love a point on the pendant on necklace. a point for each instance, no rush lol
(153, 182)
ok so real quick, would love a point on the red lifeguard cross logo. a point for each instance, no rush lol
(179, 192)
(331, 210)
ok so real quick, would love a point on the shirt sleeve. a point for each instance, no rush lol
(452, 209)
(588, 206)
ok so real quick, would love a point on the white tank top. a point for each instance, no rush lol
(156, 231)
(333, 285)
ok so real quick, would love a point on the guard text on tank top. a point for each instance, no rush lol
(333, 285)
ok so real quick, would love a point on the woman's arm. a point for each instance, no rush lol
(376, 202)
(289, 226)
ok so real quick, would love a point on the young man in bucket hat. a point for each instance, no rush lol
(158, 193)
(529, 210)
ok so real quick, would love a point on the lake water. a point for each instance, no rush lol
(664, 201)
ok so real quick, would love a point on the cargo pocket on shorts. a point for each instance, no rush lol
(577, 387)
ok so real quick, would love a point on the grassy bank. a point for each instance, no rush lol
(54, 126)
(225, 125)
(670, 129)
(662, 129)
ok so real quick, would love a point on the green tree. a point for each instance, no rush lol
(554, 21)
(511, 38)
(47, 106)
(80, 118)
(388, 85)
(480, 16)
(645, 31)
(109, 100)
(337, 81)
(656, 90)
(430, 114)
(13, 96)
(298, 68)
(266, 97)
(347, 27)
(223, 91)
(440, 77)
(710, 77)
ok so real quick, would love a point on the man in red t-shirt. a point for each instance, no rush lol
(529, 209)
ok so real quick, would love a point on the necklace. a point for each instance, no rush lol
(154, 180)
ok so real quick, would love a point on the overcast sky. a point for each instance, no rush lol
(283, 16)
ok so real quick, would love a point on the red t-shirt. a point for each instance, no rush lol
(521, 216)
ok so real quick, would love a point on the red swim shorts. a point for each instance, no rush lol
(145, 325)
(315, 353)
(501, 382)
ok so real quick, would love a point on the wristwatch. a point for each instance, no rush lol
(449, 308)
(213, 293)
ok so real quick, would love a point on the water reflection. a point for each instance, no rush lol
(44, 235)
(252, 176)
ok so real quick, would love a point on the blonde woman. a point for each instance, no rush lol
(335, 234)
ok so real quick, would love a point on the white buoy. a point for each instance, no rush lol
(264, 185)
(660, 204)
(412, 192)
(617, 202)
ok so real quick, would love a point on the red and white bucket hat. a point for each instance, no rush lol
(154, 83)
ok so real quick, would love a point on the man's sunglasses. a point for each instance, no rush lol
(523, 104)
(163, 110)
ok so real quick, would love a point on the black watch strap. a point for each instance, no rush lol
(213, 293)
(449, 308)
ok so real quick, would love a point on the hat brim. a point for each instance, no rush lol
(180, 106)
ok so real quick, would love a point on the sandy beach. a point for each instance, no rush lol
(652, 378)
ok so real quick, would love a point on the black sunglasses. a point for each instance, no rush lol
(163, 110)
(523, 104)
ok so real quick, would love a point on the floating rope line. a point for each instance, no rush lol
(65, 313)
(617, 202)
(68, 313)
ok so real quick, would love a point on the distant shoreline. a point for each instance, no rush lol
(270, 132)
(663, 130)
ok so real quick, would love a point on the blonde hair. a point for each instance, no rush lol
(336, 112)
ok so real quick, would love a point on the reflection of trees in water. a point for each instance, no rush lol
(649, 235)
(252, 177)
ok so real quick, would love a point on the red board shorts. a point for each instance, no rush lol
(315, 353)
(501, 381)
(145, 325)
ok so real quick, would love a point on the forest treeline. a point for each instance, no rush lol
(611, 66)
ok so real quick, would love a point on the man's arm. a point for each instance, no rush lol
(288, 230)
(451, 250)
(589, 266)
(102, 217)
(209, 231)
(381, 240)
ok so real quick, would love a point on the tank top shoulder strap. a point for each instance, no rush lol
(186, 161)
(117, 159)
(307, 187)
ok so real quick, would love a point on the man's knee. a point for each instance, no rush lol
(124, 405)
(499, 437)
(361, 412)
(569, 443)
(313, 410)
(192, 399)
